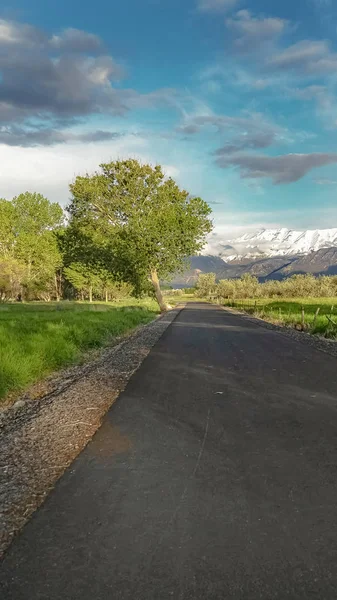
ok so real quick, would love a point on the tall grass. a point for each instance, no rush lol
(37, 339)
(288, 312)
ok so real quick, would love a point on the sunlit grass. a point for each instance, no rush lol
(182, 298)
(289, 312)
(39, 338)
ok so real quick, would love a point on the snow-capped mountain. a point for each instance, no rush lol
(276, 242)
(266, 253)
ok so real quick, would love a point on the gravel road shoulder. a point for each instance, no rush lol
(40, 438)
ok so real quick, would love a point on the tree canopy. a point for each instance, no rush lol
(146, 222)
(28, 243)
(128, 226)
(248, 287)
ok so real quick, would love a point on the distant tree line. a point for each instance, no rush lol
(304, 286)
(126, 227)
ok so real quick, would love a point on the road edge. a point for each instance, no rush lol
(315, 341)
(41, 439)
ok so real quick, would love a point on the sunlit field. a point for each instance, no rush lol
(315, 315)
(39, 338)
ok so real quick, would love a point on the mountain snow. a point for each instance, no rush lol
(276, 242)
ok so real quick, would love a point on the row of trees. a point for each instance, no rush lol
(126, 227)
(30, 257)
(249, 287)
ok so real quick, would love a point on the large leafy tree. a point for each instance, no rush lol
(28, 225)
(148, 222)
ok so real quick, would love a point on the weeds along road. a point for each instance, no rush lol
(213, 476)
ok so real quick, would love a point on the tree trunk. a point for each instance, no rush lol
(90, 294)
(106, 296)
(57, 289)
(29, 269)
(155, 282)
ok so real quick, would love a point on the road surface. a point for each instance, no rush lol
(214, 476)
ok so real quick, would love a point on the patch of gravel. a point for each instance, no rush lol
(42, 433)
(316, 341)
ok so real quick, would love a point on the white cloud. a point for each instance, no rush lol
(13, 34)
(325, 181)
(253, 32)
(49, 170)
(171, 171)
(307, 57)
(76, 40)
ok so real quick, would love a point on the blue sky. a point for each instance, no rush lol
(236, 99)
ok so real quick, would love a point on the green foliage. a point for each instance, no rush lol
(119, 290)
(35, 221)
(28, 242)
(206, 285)
(308, 314)
(128, 224)
(304, 286)
(12, 273)
(7, 228)
(84, 278)
(247, 286)
(91, 280)
(144, 221)
(36, 339)
(279, 301)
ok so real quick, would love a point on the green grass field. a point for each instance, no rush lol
(39, 338)
(288, 312)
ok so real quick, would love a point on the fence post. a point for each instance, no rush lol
(303, 319)
(333, 323)
(315, 317)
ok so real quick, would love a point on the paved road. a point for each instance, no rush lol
(214, 476)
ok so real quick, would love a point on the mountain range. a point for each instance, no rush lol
(276, 242)
(266, 254)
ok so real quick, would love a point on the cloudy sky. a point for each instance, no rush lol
(237, 99)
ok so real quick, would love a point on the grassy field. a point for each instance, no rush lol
(39, 338)
(288, 312)
(174, 299)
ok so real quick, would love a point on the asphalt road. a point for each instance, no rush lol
(214, 476)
